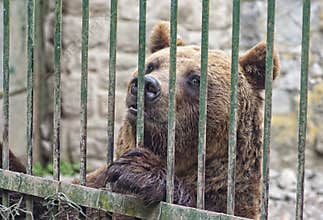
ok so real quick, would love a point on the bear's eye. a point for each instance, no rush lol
(150, 68)
(194, 80)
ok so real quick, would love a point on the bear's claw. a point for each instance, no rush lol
(141, 173)
(132, 174)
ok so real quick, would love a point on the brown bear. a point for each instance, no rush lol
(142, 171)
(14, 162)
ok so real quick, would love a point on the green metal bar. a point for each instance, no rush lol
(112, 77)
(84, 87)
(303, 109)
(232, 145)
(171, 103)
(30, 81)
(30, 92)
(5, 69)
(171, 211)
(141, 69)
(57, 87)
(103, 200)
(267, 115)
(203, 106)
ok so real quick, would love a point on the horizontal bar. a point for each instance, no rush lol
(268, 104)
(103, 200)
(232, 144)
(203, 106)
(141, 69)
(303, 110)
(171, 211)
(81, 195)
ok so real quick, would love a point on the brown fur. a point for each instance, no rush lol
(254, 66)
(160, 37)
(131, 177)
(142, 171)
(14, 162)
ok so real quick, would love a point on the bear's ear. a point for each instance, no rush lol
(160, 37)
(253, 63)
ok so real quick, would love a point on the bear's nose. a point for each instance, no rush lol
(152, 88)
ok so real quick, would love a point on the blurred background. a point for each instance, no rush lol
(252, 30)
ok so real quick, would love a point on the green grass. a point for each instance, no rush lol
(66, 169)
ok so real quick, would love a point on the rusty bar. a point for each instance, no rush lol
(233, 107)
(203, 106)
(5, 69)
(57, 88)
(302, 122)
(84, 88)
(141, 69)
(30, 91)
(112, 77)
(102, 199)
(171, 103)
(267, 114)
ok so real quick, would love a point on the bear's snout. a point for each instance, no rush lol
(152, 88)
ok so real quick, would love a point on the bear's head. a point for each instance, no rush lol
(251, 84)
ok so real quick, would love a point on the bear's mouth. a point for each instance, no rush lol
(133, 109)
(149, 111)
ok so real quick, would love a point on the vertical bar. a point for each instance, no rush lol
(233, 107)
(5, 68)
(267, 117)
(141, 69)
(84, 87)
(171, 103)
(112, 77)
(57, 87)
(203, 106)
(303, 109)
(30, 83)
(84, 79)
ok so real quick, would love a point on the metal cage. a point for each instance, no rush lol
(113, 202)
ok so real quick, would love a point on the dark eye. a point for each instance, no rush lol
(194, 80)
(150, 68)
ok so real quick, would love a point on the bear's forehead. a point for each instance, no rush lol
(184, 54)
(187, 55)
